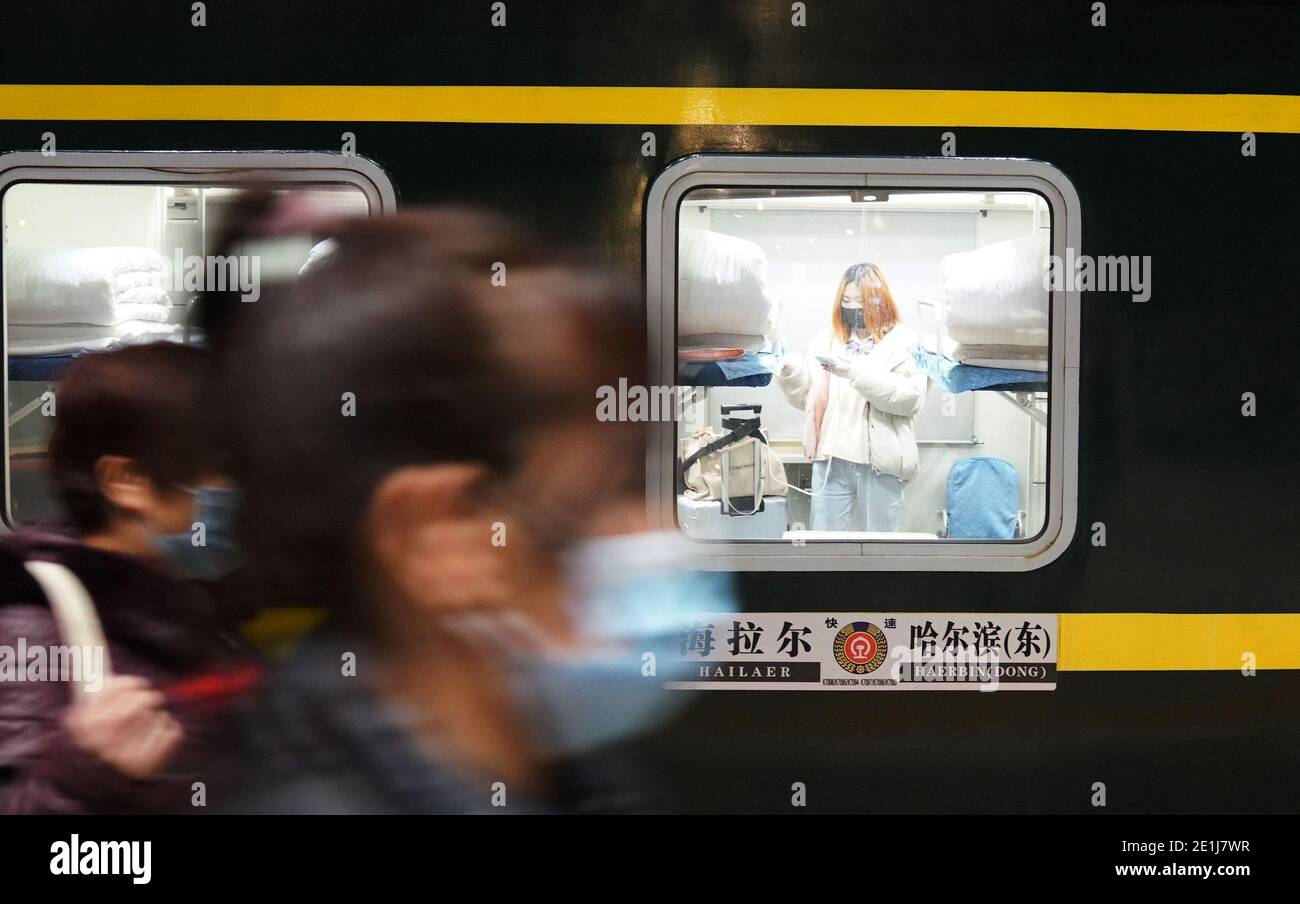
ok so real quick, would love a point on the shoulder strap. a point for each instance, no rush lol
(73, 609)
(748, 429)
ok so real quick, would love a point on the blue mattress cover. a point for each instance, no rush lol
(750, 369)
(39, 368)
(957, 377)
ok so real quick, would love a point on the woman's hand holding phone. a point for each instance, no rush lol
(837, 366)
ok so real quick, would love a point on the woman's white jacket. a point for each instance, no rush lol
(866, 418)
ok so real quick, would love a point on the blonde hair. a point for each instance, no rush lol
(881, 317)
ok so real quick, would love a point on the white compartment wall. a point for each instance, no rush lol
(83, 216)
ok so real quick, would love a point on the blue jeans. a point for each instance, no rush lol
(850, 496)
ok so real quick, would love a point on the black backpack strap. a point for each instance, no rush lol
(744, 426)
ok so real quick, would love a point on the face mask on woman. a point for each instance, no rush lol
(631, 600)
(854, 318)
(212, 552)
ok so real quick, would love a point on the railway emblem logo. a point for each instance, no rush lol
(860, 647)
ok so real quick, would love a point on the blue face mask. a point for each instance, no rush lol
(212, 552)
(632, 600)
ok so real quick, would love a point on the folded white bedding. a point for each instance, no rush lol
(1008, 364)
(66, 338)
(722, 340)
(320, 253)
(20, 348)
(1015, 357)
(102, 286)
(722, 286)
(995, 294)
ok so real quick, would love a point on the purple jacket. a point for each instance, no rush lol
(158, 627)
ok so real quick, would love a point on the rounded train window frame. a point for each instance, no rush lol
(663, 199)
(189, 168)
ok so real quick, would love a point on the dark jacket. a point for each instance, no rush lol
(318, 742)
(158, 627)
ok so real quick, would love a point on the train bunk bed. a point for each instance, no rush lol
(726, 315)
(994, 324)
(956, 377)
(61, 303)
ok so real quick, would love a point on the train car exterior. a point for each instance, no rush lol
(1171, 129)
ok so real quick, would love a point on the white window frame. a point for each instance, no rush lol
(939, 173)
(182, 168)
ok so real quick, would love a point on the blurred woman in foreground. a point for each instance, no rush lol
(415, 431)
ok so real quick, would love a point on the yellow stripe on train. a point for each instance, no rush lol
(657, 106)
(1124, 641)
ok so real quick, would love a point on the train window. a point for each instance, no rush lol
(869, 366)
(106, 250)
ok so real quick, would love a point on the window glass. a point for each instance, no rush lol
(88, 267)
(862, 364)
